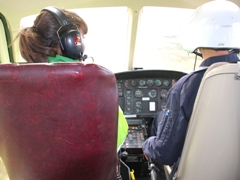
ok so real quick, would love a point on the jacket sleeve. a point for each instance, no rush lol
(166, 146)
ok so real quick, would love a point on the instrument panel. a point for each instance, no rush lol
(143, 93)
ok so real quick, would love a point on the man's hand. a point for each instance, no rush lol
(145, 156)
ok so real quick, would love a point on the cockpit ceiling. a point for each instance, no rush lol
(134, 4)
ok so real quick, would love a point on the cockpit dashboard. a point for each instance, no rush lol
(142, 94)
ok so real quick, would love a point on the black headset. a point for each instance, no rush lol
(70, 39)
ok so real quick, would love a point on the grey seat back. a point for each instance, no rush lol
(212, 146)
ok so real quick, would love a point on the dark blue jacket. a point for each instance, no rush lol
(166, 146)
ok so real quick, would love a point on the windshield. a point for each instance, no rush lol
(157, 44)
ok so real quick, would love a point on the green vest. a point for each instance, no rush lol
(122, 129)
(122, 122)
(59, 58)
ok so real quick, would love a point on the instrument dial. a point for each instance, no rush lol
(127, 83)
(163, 93)
(166, 83)
(152, 93)
(138, 104)
(134, 83)
(150, 82)
(163, 105)
(142, 82)
(158, 82)
(138, 93)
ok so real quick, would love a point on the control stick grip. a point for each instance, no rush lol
(153, 169)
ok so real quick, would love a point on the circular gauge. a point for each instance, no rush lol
(163, 105)
(126, 83)
(138, 93)
(134, 82)
(166, 83)
(138, 104)
(150, 82)
(158, 82)
(152, 93)
(163, 93)
(142, 82)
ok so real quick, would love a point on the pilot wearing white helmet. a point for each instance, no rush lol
(214, 25)
(214, 34)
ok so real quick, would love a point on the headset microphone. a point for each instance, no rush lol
(70, 39)
(84, 57)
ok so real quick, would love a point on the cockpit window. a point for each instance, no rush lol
(158, 44)
(6, 55)
(106, 41)
(157, 38)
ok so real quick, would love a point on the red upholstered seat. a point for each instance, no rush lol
(58, 121)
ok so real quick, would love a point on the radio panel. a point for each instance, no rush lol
(135, 138)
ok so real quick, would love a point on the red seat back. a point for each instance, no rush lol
(58, 121)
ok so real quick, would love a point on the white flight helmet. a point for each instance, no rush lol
(215, 25)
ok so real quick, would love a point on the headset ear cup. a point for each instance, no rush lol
(72, 44)
(70, 39)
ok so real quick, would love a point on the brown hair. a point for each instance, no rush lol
(41, 40)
